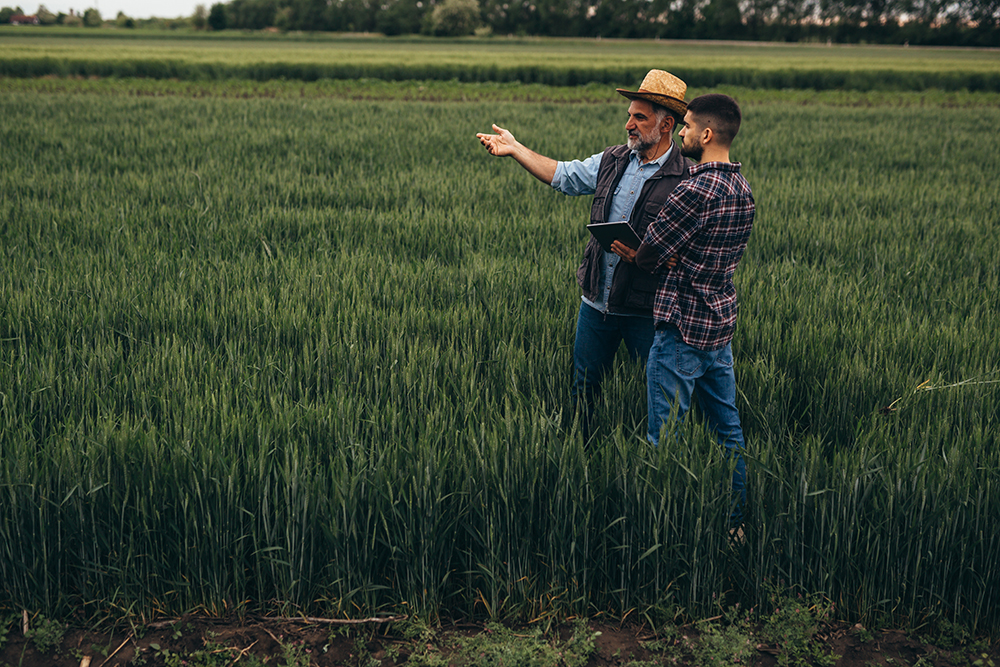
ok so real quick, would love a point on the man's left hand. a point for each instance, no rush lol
(623, 251)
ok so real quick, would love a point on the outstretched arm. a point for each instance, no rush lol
(503, 144)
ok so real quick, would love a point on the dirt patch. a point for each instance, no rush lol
(202, 642)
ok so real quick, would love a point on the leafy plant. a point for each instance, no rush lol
(46, 634)
(5, 625)
(792, 627)
(949, 634)
(529, 647)
(718, 646)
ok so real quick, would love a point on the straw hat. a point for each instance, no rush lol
(661, 88)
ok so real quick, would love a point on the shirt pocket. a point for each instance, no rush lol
(597, 208)
(642, 288)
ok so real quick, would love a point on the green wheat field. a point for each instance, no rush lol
(305, 350)
(185, 55)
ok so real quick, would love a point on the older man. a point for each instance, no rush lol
(630, 182)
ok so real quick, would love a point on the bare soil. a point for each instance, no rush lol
(204, 641)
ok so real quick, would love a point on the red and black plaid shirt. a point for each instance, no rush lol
(705, 222)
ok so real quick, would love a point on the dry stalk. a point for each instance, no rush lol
(120, 646)
(346, 621)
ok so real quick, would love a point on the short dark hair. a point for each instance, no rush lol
(722, 113)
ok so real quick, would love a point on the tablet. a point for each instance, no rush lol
(607, 233)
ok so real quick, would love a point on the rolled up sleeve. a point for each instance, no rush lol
(577, 177)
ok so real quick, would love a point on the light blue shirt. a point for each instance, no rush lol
(579, 177)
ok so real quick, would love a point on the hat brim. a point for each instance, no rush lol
(671, 103)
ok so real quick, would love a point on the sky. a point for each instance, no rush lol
(137, 9)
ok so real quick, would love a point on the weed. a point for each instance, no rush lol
(363, 656)
(5, 624)
(46, 634)
(392, 652)
(863, 634)
(427, 655)
(296, 654)
(721, 646)
(948, 634)
(581, 644)
(792, 626)
(415, 629)
(213, 655)
(498, 644)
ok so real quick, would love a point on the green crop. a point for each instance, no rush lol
(557, 62)
(317, 351)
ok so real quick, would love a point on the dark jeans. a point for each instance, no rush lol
(597, 339)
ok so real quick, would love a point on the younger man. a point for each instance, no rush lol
(705, 223)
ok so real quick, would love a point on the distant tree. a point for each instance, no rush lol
(351, 15)
(45, 17)
(400, 17)
(722, 19)
(92, 18)
(7, 12)
(307, 14)
(124, 21)
(199, 20)
(252, 14)
(217, 19)
(924, 11)
(985, 14)
(455, 18)
(283, 18)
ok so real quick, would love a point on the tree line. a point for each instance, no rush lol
(917, 22)
(91, 18)
(925, 22)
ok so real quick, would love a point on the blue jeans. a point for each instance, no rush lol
(674, 373)
(597, 339)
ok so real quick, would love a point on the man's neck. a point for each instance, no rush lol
(657, 151)
(714, 156)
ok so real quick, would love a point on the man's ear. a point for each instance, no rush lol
(707, 135)
(669, 124)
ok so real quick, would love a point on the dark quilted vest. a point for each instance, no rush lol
(632, 289)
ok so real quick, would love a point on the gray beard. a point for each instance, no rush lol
(642, 143)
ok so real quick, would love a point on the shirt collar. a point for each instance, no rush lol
(721, 166)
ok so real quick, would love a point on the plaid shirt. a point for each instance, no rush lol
(705, 222)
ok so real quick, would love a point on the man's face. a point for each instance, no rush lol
(690, 134)
(644, 131)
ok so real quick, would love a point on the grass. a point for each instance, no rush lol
(316, 351)
(560, 62)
